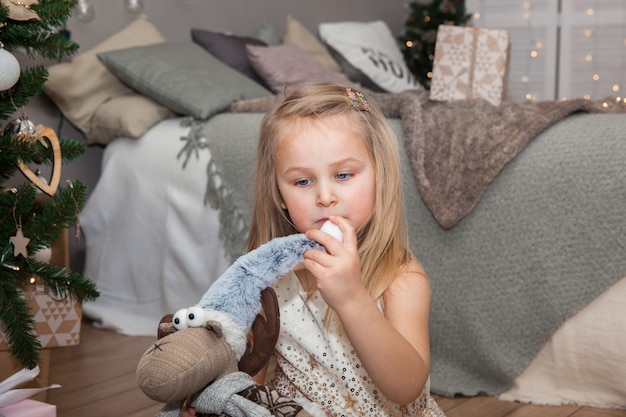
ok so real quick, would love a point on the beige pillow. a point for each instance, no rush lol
(130, 116)
(81, 86)
(297, 34)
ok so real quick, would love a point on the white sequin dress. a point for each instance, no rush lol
(323, 367)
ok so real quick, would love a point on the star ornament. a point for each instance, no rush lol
(20, 242)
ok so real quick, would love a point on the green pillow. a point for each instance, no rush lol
(181, 76)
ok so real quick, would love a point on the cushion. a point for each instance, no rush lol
(182, 76)
(298, 35)
(287, 64)
(130, 116)
(78, 88)
(268, 34)
(369, 54)
(230, 49)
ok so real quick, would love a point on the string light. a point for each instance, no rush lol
(594, 65)
(595, 77)
(533, 46)
(86, 13)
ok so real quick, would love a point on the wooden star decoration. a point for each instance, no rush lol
(20, 242)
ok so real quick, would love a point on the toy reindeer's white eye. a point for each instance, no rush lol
(196, 316)
(180, 319)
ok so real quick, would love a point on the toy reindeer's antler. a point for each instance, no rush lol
(264, 335)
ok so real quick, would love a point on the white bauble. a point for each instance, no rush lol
(9, 70)
(43, 255)
(133, 6)
(84, 11)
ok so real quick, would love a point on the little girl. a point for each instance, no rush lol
(354, 318)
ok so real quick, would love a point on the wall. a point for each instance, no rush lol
(174, 18)
(560, 49)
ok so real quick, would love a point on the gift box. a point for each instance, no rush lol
(57, 320)
(470, 62)
(11, 365)
(29, 408)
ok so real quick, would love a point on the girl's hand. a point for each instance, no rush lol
(187, 410)
(337, 270)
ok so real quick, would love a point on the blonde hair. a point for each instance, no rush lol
(383, 240)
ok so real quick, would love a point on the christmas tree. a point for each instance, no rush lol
(417, 42)
(27, 225)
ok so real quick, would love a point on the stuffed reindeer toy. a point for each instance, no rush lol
(203, 356)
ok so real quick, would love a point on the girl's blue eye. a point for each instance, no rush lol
(302, 183)
(343, 176)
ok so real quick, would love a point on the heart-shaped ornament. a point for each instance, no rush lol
(51, 187)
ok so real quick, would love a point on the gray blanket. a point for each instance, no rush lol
(547, 236)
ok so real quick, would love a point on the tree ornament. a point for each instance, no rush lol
(133, 6)
(42, 133)
(85, 12)
(9, 69)
(20, 9)
(20, 242)
(43, 255)
(447, 7)
(22, 127)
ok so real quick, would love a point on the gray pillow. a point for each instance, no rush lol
(181, 76)
(230, 49)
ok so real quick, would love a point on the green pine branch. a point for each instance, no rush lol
(18, 320)
(20, 206)
(30, 84)
(45, 227)
(417, 42)
(41, 37)
(44, 222)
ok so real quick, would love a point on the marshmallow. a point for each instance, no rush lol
(333, 230)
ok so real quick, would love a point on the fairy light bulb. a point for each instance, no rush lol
(85, 12)
(133, 6)
(9, 69)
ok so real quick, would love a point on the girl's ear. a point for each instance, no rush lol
(282, 202)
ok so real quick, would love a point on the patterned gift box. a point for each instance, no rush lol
(57, 321)
(470, 62)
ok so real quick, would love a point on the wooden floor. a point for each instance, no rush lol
(98, 380)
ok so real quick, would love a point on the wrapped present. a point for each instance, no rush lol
(57, 320)
(14, 396)
(470, 62)
(29, 408)
(11, 365)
